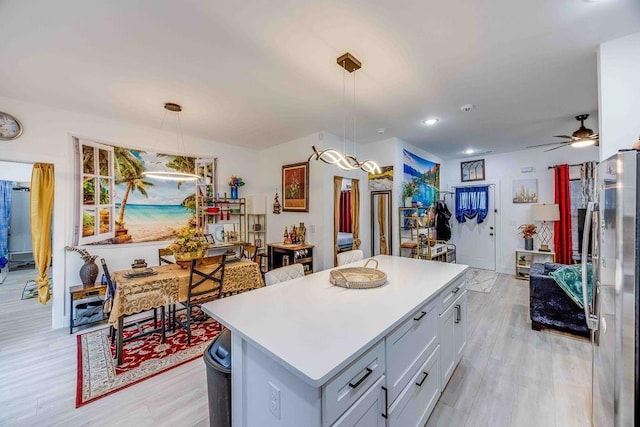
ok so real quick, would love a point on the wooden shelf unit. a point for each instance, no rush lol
(530, 256)
(418, 237)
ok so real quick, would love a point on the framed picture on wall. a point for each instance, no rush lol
(525, 190)
(472, 170)
(295, 187)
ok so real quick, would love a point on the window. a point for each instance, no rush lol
(95, 193)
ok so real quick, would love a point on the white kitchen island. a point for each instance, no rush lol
(307, 353)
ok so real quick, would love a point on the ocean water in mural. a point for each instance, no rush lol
(150, 209)
(426, 174)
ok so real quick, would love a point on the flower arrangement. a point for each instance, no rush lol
(86, 256)
(409, 189)
(187, 240)
(528, 230)
(236, 181)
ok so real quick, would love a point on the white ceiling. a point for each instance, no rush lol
(261, 72)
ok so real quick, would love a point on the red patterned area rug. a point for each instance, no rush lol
(98, 375)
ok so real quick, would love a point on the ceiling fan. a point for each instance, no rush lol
(583, 137)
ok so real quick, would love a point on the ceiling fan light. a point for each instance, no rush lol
(585, 142)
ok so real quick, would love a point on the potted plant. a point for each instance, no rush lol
(188, 245)
(234, 183)
(528, 231)
(522, 260)
(409, 189)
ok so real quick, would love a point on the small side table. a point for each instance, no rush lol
(81, 292)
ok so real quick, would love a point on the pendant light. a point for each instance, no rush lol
(169, 175)
(331, 156)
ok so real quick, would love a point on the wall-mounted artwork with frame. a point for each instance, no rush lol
(472, 170)
(295, 187)
(381, 181)
(525, 191)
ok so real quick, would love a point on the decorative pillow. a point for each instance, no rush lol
(569, 278)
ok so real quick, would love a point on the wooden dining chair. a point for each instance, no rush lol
(162, 254)
(205, 284)
(137, 322)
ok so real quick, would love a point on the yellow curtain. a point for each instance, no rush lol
(355, 212)
(41, 209)
(382, 203)
(337, 188)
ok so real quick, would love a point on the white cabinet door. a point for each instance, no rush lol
(460, 322)
(367, 411)
(447, 343)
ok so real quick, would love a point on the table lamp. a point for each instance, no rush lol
(545, 213)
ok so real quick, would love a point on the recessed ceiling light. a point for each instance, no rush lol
(469, 151)
(431, 122)
(381, 130)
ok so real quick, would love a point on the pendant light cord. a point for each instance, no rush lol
(344, 109)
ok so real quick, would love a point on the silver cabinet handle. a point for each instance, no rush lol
(458, 313)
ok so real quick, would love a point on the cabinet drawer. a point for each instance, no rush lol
(452, 292)
(366, 412)
(419, 397)
(345, 388)
(408, 346)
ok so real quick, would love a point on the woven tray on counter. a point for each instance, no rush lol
(358, 277)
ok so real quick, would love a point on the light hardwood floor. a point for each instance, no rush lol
(509, 374)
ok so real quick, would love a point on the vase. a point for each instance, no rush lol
(183, 259)
(88, 273)
(408, 201)
(528, 244)
(234, 193)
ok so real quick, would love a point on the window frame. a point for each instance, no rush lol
(97, 206)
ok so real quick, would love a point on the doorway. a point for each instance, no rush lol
(476, 243)
(346, 215)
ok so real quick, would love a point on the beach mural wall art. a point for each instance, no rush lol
(425, 174)
(150, 209)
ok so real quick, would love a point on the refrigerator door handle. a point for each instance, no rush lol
(592, 321)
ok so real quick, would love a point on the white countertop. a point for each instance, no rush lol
(314, 329)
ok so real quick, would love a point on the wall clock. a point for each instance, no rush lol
(10, 127)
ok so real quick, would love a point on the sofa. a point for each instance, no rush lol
(550, 306)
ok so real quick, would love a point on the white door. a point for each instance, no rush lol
(476, 243)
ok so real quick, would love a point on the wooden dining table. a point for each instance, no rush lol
(170, 286)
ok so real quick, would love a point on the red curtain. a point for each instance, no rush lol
(562, 228)
(345, 212)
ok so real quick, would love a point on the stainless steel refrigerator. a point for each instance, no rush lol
(612, 314)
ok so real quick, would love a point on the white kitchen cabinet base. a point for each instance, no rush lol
(305, 353)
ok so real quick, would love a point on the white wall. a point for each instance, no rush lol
(47, 138)
(319, 219)
(16, 172)
(502, 169)
(619, 94)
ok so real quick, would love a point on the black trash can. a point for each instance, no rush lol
(217, 358)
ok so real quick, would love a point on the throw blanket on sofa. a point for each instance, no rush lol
(569, 278)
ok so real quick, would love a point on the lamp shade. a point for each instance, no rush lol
(545, 212)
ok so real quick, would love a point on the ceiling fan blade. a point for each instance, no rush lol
(550, 143)
(555, 148)
(563, 136)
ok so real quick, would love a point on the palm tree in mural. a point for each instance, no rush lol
(186, 165)
(181, 164)
(129, 171)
